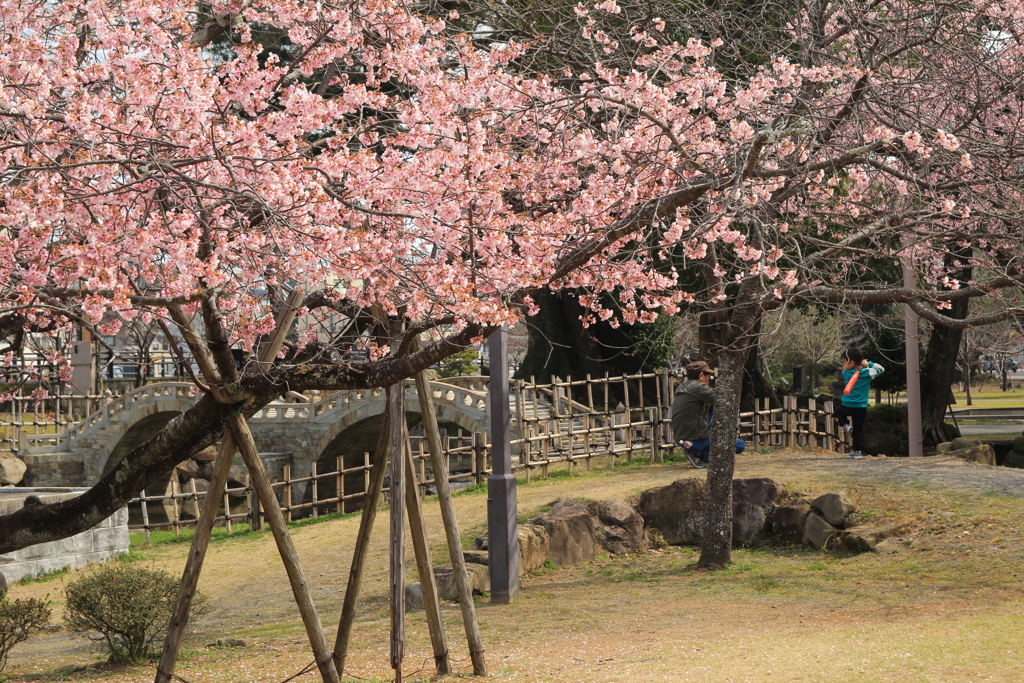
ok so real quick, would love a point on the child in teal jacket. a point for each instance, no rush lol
(854, 408)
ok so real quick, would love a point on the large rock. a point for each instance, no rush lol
(866, 537)
(676, 510)
(238, 478)
(752, 503)
(189, 469)
(571, 532)
(533, 547)
(476, 557)
(1018, 443)
(983, 454)
(943, 447)
(960, 443)
(414, 596)
(208, 454)
(817, 531)
(12, 469)
(622, 527)
(834, 507)
(788, 521)
(1014, 458)
(479, 580)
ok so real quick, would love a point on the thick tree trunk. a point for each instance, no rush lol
(936, 381)
(716, 546)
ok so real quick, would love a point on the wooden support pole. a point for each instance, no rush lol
(451, 525)
(421, 549)
(194, 563)
(310, 618)
(396, 463)
(375, 484)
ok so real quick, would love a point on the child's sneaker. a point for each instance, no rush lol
(848, 428)
(856, 455)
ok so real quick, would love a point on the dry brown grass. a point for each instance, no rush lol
(942, 603)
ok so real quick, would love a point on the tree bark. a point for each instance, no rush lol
(716, 545)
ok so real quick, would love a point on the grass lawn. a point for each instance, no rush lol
(943, 602)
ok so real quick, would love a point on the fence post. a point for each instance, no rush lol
(255, 511)
(479, 457)
(145, 514)
(790, 421)
(194, 494)
(830, 428)
(288, 492)
(174, 502)
(629, 421)
(227, 509)
(315, 482)
(366, 471)
(652, 418)
(339, 482)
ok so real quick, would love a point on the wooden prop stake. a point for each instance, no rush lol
(194, 563)
(285, 547)
(396, 415)
(451, 526)
(355, 575)
(428, 583)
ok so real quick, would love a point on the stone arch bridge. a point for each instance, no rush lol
(321, 428)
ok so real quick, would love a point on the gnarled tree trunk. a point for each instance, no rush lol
(716, 545)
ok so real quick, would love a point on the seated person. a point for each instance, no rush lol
(692, 413)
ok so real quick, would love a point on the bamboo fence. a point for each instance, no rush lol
(564, 423)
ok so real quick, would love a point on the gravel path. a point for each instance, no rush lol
(944, 470)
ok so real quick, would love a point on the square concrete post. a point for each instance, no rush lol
(502, 532)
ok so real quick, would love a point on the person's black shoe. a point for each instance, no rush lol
(695, 459)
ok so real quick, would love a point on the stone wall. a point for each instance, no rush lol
(99, 544)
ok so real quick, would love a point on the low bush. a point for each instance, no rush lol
(126, 608)
(18, 619)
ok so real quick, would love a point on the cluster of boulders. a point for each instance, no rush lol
(973, 451)
(1015, 458)
(572, 531)
(12, 469)
(763, 510)
(197, 472)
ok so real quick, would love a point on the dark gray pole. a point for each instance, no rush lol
(502, 533)
(914, 428)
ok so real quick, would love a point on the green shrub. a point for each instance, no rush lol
(18, 619)
(126, 608)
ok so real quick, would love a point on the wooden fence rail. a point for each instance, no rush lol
(568, 423)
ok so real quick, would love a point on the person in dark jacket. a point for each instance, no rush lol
(692, 412)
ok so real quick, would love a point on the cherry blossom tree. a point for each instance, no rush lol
(410, 178)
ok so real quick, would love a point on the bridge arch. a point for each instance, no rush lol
(108, 434)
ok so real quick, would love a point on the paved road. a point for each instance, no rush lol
(1008, 428)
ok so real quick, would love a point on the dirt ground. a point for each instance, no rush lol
(943, 602)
